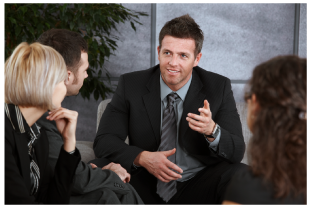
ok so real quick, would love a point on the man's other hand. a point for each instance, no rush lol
(118, 169)
(158, 165)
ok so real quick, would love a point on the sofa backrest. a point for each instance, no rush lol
(242, 111)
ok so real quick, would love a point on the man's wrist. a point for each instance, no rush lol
(138, 162)
(211, 132)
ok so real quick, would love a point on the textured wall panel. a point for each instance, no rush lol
(133, 52)
(238, 92)
(302, 51)
(237, 36)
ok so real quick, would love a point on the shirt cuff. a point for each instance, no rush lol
(135, 166)
(214, 144)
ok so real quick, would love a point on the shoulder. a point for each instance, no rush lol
(141, 76)
(245, 188)
(207, 75)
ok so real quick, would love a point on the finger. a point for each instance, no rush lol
(195, 123)
(167, 177)
(55, 110)
(64, 112)
(162, 179)
(169, 152)
(196, 117)
(107, 166)
(70, 117)
(206, 105)
(175, 167)
(128, 178)
(205, 112)
(170, 175)
(93, 165)
(195, 128)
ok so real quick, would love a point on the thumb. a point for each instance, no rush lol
(169, 152)
(93, 166)
(206, 104)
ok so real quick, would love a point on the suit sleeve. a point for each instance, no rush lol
(86, 179)
(59, 188)
(113, 130)
(231, 144)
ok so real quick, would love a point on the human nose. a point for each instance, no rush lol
(173, 61)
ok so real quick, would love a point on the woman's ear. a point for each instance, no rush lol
(255, 104)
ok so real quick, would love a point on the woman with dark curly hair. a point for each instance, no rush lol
(277, 118)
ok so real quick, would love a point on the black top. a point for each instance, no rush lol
(245, 188)
(54, 186)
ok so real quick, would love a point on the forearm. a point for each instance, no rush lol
(231, 146)
(114, 149)
(60, 186)
(88, 179)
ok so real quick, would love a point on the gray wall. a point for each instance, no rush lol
(237, 38)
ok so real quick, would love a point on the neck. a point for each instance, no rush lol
(31, 114)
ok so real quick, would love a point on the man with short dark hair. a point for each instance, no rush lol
(106, 185)
(185, 135)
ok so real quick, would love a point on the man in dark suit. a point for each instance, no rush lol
(104, 185)
(185, 135)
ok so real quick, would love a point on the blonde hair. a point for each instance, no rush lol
(31, 74)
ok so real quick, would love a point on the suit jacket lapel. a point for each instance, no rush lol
(22, 149)
(152, 103)
(193, 101)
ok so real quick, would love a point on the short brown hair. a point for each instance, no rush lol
(68, 43)
(278, 147)
(183, 27)
(31, 74)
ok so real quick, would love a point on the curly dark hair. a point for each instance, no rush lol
(278, 147)
(183, 27)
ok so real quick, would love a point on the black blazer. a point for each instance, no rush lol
(54, 188)
(135, 110)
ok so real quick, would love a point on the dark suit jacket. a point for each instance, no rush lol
(54, 188)
(87, 179)
(135, 110)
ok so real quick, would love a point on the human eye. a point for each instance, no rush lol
(166, 53)
(183, 55)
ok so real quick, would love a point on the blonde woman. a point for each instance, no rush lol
(34, 83)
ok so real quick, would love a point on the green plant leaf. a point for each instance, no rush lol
(133, 26)
(26, 22)
(12, 20)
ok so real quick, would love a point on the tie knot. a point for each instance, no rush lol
(172, 98)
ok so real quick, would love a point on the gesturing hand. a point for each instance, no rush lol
(118, 169)
(202, 123)
(66, 123)
(158, 165)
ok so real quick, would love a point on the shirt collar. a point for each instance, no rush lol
(165, 90)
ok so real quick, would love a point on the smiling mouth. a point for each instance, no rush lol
(172, 71)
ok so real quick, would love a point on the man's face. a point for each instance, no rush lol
(76, 81)
(177, 59)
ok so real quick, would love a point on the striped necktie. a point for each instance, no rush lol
(168, 142)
